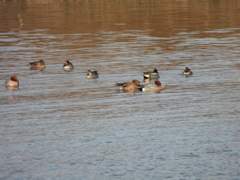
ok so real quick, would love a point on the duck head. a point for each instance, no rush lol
(41, 62)
(14, 78)
(67, 63)
(158, 83)
(155, 70)
(135, 82)
(186, 69)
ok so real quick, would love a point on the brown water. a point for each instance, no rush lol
(59, 125)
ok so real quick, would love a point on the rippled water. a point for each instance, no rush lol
(60, 125)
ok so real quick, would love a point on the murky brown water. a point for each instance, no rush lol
(59, 125)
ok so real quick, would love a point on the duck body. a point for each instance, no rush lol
(157, 86)
(129, 86)
(12, 82)
(151, 74)
(68, 66)
(92, 74)
(37, 65)
(187, 71)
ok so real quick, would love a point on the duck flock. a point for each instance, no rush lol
(133, 86)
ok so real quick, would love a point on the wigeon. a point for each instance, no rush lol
(129, 86)
(151, 74)
(12, 82)
(92, 74)
(68, 66)
(157, 86)
(37, 65)
(187, 71)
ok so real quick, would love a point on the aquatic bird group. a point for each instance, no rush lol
(135, 84)
(93, 74)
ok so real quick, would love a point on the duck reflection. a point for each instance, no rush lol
(186, 75)
(13, 98)
(146, 80)
(12, 88)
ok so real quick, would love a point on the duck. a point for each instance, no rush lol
(187, 71)
(151, 74)
(129, 86)
(157, 86)
(37, 65)
(68, 66)
(12, 82)
(92, 74)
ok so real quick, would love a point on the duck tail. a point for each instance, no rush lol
(140, 87)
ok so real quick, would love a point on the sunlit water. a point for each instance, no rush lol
(60, 125)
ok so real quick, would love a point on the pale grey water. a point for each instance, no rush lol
(59, 125)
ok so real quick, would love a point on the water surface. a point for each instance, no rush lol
(60, 125)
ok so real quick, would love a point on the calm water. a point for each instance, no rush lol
(59, 125)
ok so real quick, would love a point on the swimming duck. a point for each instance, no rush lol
(187, 71)
(37, 65)
(157, 86)
(92, 74)
(12, 82)
(129, 86)
(151, 74)
(68, 66)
